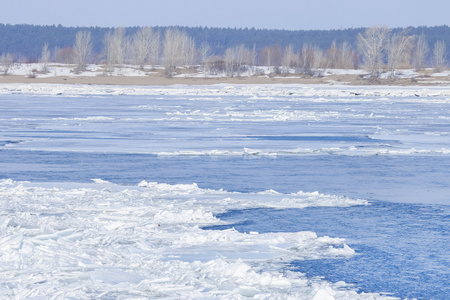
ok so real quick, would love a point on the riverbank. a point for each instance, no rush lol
(130, 75)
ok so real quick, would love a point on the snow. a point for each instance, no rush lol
(54, 69)
(105, 240)
(39, 70)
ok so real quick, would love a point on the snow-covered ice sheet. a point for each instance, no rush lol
(104, 240)
(228, 120)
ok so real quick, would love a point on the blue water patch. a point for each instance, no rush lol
(401, 249)
(9, 142)
(394, 178)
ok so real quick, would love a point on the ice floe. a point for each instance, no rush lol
(97, 240)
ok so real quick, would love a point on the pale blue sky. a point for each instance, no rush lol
(279, 14)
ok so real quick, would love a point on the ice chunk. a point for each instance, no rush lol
(323, 295)
(146, 242)
(115, 276)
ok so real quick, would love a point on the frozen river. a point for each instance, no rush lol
(225, 157)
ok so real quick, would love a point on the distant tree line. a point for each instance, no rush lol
(228, 51)
(26, 41)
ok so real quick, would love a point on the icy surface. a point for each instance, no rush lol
(93, 222)
(105, 240)
(228, 120)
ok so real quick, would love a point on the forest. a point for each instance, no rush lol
(27, 40)
(228, 50)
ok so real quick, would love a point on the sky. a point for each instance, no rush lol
(269, 14)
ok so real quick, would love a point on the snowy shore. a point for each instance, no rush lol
(129, 75)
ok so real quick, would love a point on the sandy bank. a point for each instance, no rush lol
(63, 75)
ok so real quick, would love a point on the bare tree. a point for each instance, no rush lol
(439, 55)
(64, 55)
(397, 47)
(306, 58)
(45, 58)
(230, 61)
(340, 57)
(171, 50)
(155, 49)
(420, 52)
(333, 56)
(254, 57)
(178, 50)
(114, 48)
(237, 59)
(128, 51)
(310, 58)
(318, 57)
(6, 61)
(243, 58)
(348, 57)
(215, 65)
(142, 46)
(204, 52)
(82, 50)
(188, 50)
(271, 56)
(289, 59)
(371, 45)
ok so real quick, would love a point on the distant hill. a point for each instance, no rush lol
(26, 41)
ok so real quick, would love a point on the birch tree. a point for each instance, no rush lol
(254, 57)
(243, 58)
(178, 50)
(289, 59)
(271, 56)
(397, 47)
(348, 57)
(6, 61)
(340, 56)
(421, 51)
(188, 50)
(236, 59)
(142, 46)
(45, 58)
(230, 59)
(439, 55)
(306, 58)
(371, 45)
(82, 50)
(204, 52)
(333, 56)
(114, 46)
(171, 49)
(310, 57)
(155, 49)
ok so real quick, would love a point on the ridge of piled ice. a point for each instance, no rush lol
(322, 93)
(67, 240)
(350, 151)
